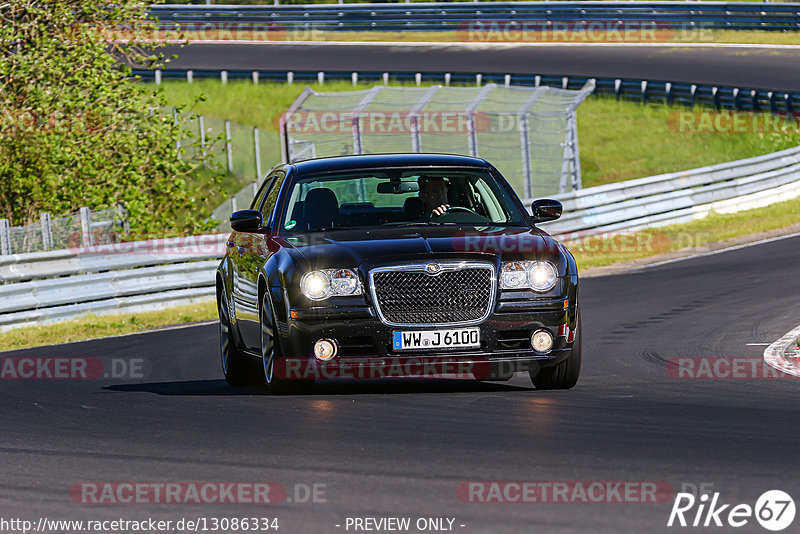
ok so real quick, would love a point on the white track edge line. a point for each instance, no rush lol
(773, 355)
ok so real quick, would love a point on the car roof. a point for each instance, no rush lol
(372, 161)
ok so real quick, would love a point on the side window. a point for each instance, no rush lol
(258, 201)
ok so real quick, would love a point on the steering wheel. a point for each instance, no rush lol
(461, 208)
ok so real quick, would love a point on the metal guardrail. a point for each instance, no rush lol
(133, 277)
(439, 16)
(756, 99)
(679, 197)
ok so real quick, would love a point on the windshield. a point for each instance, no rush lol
(399, 197)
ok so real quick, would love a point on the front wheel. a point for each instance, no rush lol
(564, 375)
(270, 356)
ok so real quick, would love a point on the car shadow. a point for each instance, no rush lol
(396, 386)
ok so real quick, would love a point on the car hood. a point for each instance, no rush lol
(382, 246)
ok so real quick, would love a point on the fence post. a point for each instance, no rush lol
(47, 231)
(524, 143)
(201, 123)
(5, 237)
(229, 145)
(86, 228)
(175, 120)
(257, 152)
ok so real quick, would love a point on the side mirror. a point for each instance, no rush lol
(546, 209)
(246, 220)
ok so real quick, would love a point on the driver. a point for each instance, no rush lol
(433, 193)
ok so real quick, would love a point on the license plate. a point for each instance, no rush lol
(437, 339)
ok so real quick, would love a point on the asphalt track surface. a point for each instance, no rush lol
(751, 67)
(401, 447)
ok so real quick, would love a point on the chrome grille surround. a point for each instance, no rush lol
(427, 269)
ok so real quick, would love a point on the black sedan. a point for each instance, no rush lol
(395, 265)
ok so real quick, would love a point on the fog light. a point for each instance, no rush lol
(542, 341)
(325, 349)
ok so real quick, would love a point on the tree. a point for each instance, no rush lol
(75, 130)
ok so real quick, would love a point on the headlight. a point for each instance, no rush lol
(540, 276)
(319, 285)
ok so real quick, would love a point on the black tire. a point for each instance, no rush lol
(270, 353)
(564, 375)
(236, 365)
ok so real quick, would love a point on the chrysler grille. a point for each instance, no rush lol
(455, 293)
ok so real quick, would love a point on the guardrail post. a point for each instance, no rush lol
(507, 80)
(254, 75)
(223, 76)
(755, 104)
(47, 231)
(418, 78)
(321, 78)
(290, 77)
(354, 78)
(736, 105)
(617, 86)
(5, 237)
(789, 107)
(715, 94)
(644, 91)
(229, 145)
(86, 227)
(668, 88)
(385, 77)
(158, 76)
(564, 82)
(257, 151)
(693, 91)
(189, 76)
(773, 108)
(447, 77)
(478, 80)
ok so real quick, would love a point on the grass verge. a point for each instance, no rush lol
(716, 228)
(619, 140)
(95, 326)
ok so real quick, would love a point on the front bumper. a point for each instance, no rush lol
(365, 347)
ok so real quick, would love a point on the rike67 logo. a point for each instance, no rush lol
(774, 510)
